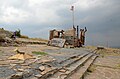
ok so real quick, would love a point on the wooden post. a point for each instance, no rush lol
(77, 36)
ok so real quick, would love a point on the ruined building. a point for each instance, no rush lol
(67, 37)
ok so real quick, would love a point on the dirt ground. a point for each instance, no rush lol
(106, 66)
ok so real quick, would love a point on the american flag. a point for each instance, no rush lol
(72, 8)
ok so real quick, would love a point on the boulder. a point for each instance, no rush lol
(42, 68)
(17, 76)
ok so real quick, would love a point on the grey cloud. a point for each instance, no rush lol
(101, 17)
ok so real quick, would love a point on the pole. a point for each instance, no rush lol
(72, 9)
(77, 35)
(73, 17)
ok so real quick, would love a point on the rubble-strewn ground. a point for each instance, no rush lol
(9, 67)
(55, 55)
(106, 66)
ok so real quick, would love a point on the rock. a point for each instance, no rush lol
(20, 56)
(43, 73)
(17, 61)
(4, 62)
(48, 69)
(17, 76)
(46, 64)
(54, 59)
(15, 69)
(25, 67)
(20, 70)
(46, 61)
(100, 47)
(42, 68)
(62, 70)
(33, 78)
(12, 66)
(38, 61)
(28, 62)
(27, 74)
(38, 75)
(39, 56)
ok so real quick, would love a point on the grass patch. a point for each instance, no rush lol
(118, 66)
(39, 53)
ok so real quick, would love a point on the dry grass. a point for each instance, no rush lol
(105, 51)
(109, 51)
(91, 69)
(91, 47)
(39, 39)
(118, 65)
(24, 36)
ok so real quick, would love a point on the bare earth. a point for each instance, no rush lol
(106, 66)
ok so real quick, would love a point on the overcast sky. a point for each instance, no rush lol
(36, 17)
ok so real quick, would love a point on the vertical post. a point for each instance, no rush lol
(74, 35)
(73, 16)
(72, 9)
(77, 35)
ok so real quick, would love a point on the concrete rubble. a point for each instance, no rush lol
(20, 55)
(21, 69)
(42, 68)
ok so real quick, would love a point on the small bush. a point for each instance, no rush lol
(18, 33)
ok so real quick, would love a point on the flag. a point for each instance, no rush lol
(72, 8)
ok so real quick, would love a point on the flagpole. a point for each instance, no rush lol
(73, 15)
(73, 26)
(72, 9)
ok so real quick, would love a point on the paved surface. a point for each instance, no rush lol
(10, 67)
(64, 53)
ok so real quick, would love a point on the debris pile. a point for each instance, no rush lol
(7, 38)
(23, 65)
(20, 55)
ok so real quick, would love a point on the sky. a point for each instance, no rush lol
(36, 17)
